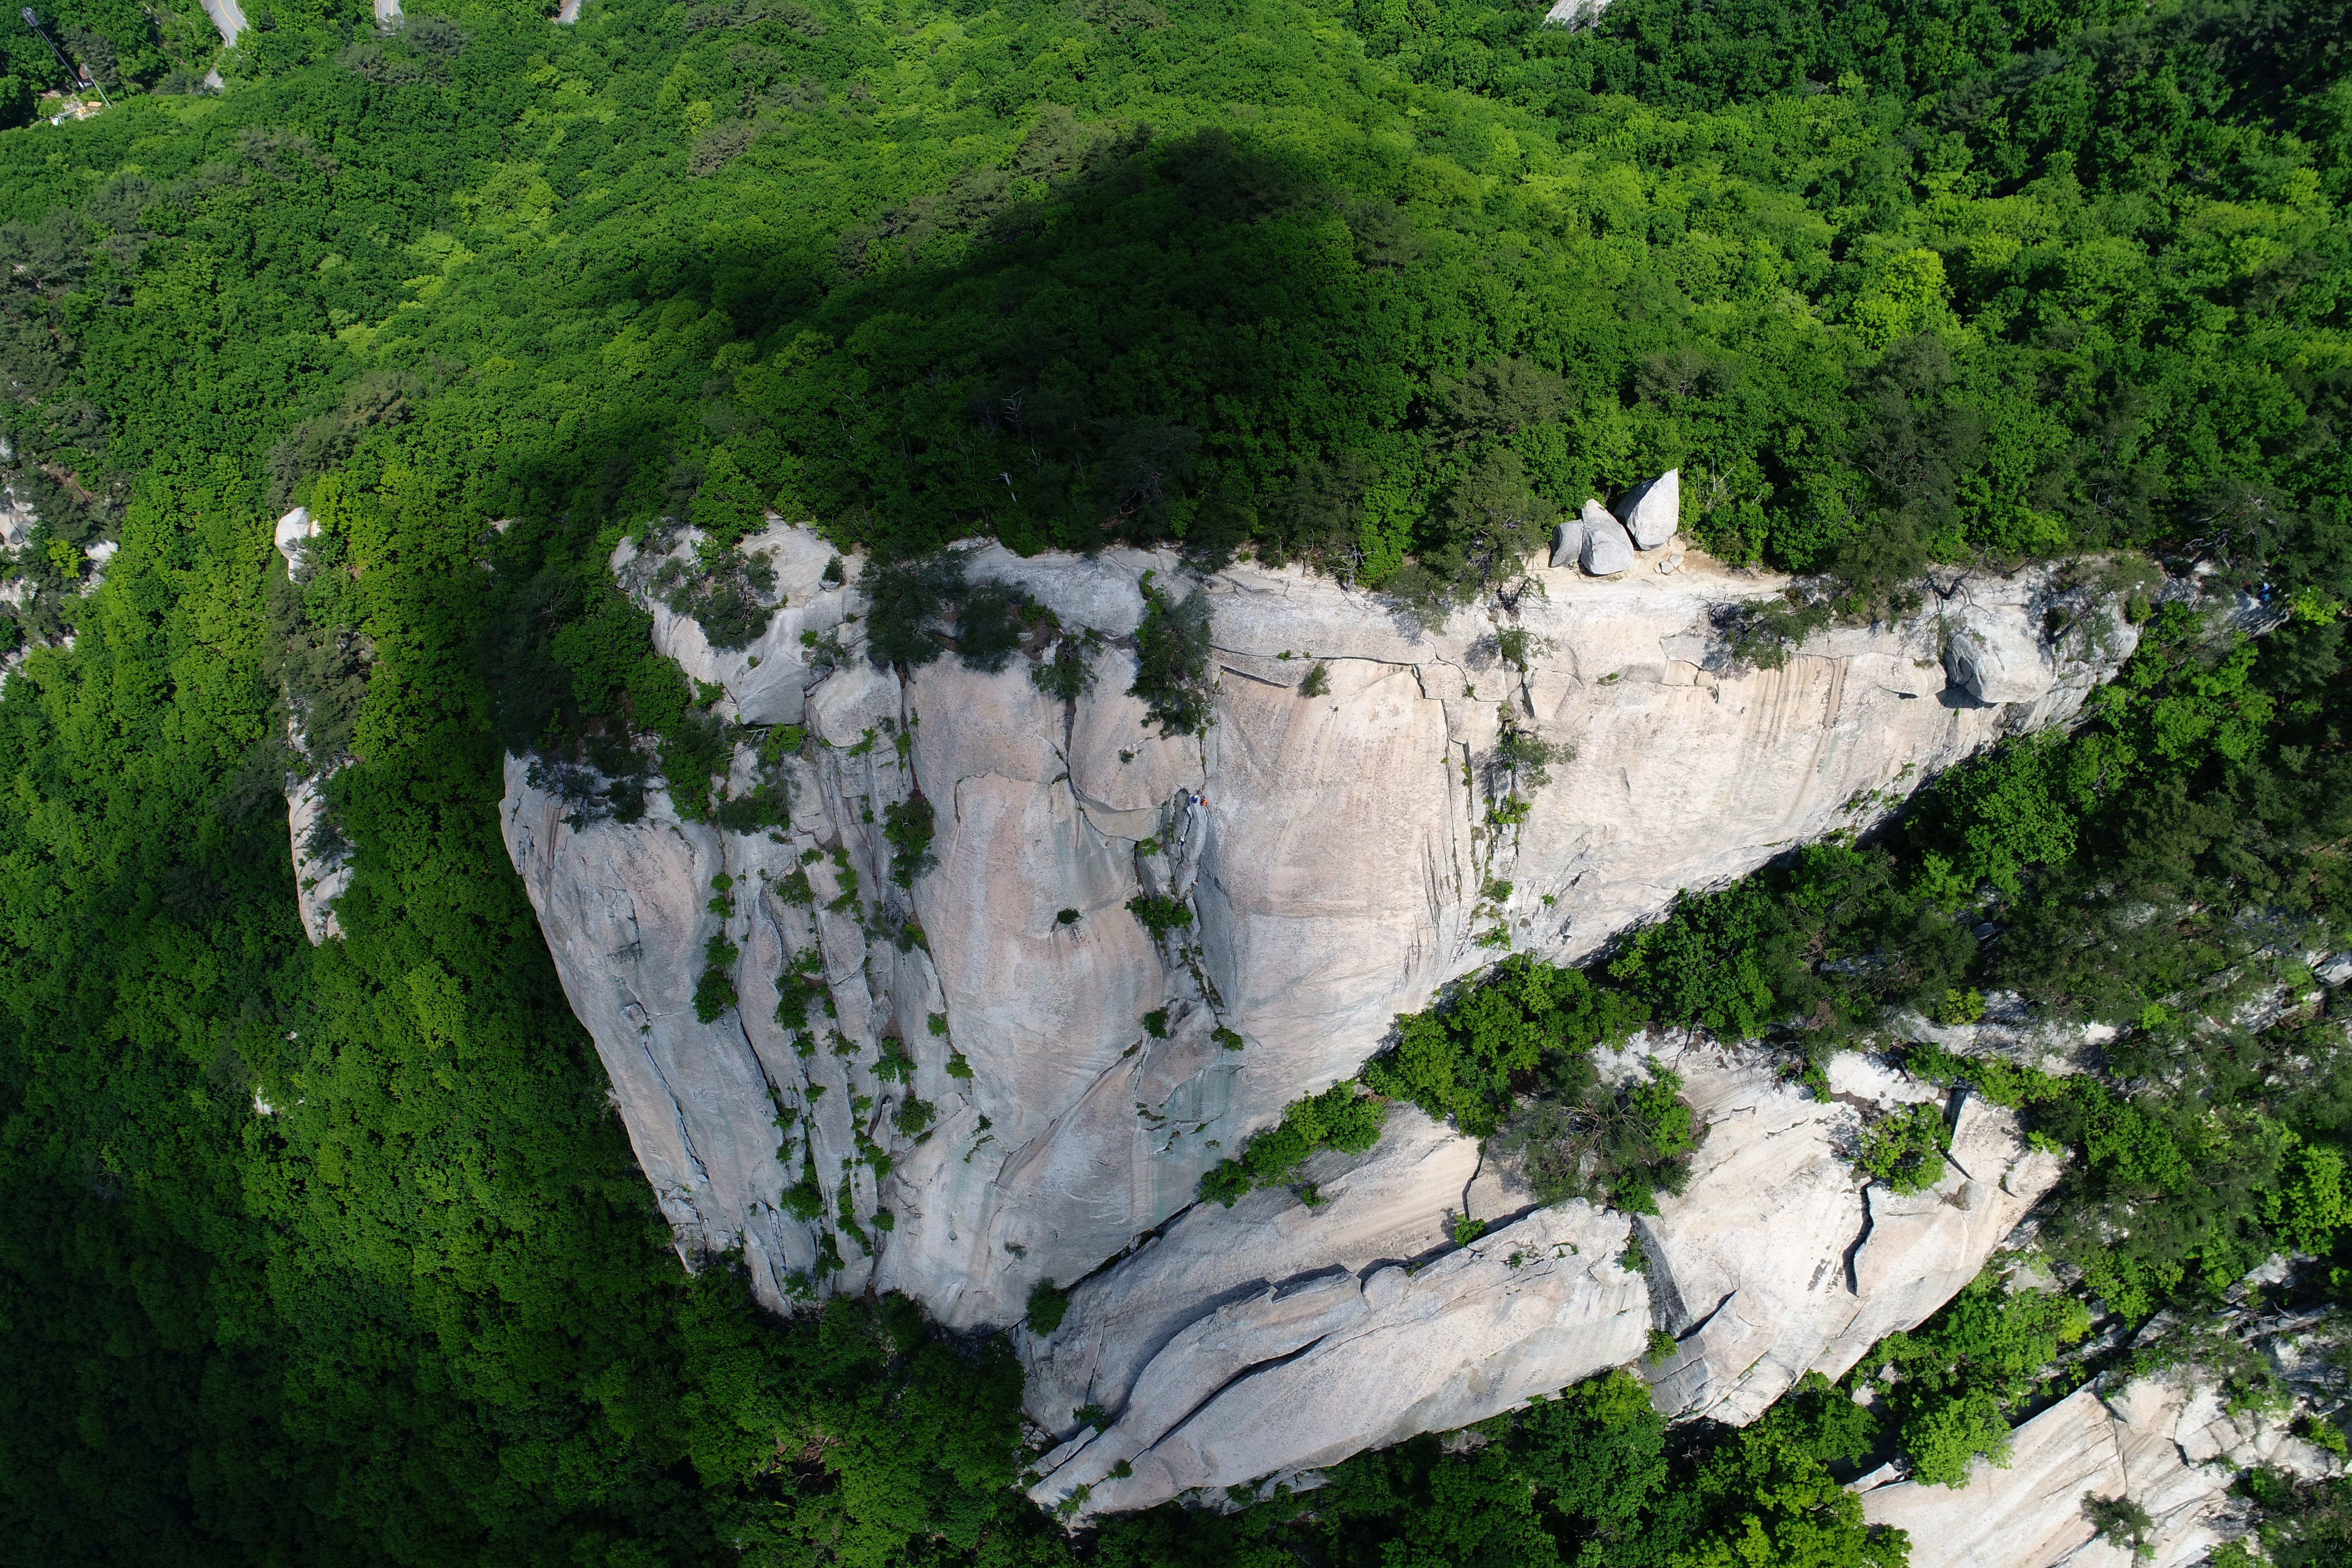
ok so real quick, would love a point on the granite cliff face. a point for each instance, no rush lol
(978, 1105)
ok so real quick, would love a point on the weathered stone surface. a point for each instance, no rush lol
(623, 909)
(767, 680)
(2013, 1032)
(1669, 735)
(1575, 13)
(1393, 1204)
(293, 535)
(1204, 1356)
(851, 703)
(1102, 590)
(1329, 854)
(1093, 1130)
(1608, 548)
(2171, 1449)
(1568, 541)
(1994, 650)
(322, 863)
(1652, 512)
(1523, 1310)
(320, 878)
(1777, 1260)
(1121, 763)
(2024, 1516)
(1328, 895)
(17, 518)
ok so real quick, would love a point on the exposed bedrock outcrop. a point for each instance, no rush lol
(2171, 1444)
(1310, 1372)
(1777, 1260)
(978, 1105)
(323, 861)
(322, 864)
(2170, 1449)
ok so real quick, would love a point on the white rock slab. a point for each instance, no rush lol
(2027, 1515)
(1523, 1312)
(1120, 763)
(1568, 541)
(1995, 656)
(623, 908)
(292, 534)
(1327, 900)
(767, 680)
(1086, 1149)
(2169, 1448)
(318, 879)
(1332, 852)
(1393, 1204)
(1779, 1259)
(17, 518)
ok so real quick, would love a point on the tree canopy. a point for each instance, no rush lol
(338, 1254)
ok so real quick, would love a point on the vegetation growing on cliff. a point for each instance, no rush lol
(338, 1254)
(1589, 1477)
(1526, 1029)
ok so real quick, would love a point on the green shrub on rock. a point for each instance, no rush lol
(1906, 1149)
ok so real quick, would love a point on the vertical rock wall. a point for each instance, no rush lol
(1336, 852)
(323, 862)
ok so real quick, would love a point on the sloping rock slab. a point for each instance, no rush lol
(2172, 1451)
(1522, 1311)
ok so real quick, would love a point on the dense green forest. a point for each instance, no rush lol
(1377, 287)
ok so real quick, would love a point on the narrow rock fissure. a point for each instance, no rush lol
(1666, 1305)
(1475, 1172)
(1952, 1104)
(1854, 1253)
(1274, 1365)
(1711, 1313)
(701, 1174)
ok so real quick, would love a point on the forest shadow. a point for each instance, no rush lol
(1028, 353)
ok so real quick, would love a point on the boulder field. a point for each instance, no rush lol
(1006, 1079)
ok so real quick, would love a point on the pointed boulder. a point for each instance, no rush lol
(1653, 511)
